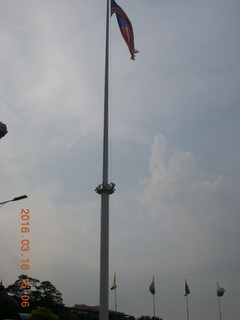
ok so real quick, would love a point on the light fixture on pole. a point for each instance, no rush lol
(14, 199)
(3, 130)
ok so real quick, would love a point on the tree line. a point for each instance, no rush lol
(45, 302)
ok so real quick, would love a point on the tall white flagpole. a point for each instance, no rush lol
(105, 189)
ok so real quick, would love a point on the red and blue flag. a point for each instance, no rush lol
(125, 27)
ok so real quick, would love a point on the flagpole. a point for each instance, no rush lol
(115, 299)
(187, 292)
(219, 309)
(154, 305)
(105, 189)
(187, 307)
(152, 290)
(219, 305)
(115, 293)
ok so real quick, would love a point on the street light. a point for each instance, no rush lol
(3, 130)
(14, 199)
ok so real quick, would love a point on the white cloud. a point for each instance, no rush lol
(194, 210)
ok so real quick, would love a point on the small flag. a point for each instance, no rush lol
(220, 291)
(125, 27)
(114, 284)
(152, 287)
(187, 291)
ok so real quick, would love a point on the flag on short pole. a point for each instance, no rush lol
(125, 27)
(114, 284)
(187, 291)
(220, 291)
(152, 287)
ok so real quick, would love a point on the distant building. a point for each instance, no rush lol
(21, 316)
(93, 312)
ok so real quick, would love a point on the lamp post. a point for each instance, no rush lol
(3, 130)
(14, 199)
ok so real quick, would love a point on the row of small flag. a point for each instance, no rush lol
(220, 290)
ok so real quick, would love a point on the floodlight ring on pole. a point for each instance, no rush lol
(3, 130)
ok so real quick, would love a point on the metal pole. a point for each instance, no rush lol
(154, 305)
(104, 256)
(116, 300)
(187, 307)
(105, 189)
(219, 309)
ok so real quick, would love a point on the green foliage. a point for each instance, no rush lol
(16, 289)
(49, 292)
(72, 316)
(42, 314)
(42, 294)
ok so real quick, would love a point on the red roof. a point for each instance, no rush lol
(85, 307)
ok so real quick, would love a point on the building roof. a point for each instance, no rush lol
(21, 316)
(24, 316)
(84, 308)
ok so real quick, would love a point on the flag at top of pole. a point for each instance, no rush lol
(187, 290)
(125, 27)
(114, 284)
(152, 287)
(220, 291)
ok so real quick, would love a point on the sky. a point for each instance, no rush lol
(174, 151)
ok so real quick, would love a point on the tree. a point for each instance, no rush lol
(72, 316)
(50, 297)
(42, 314)
(16, 288)
(49, 292)
(42, 294)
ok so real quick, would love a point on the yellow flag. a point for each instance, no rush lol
(114, 284)
(152, 287)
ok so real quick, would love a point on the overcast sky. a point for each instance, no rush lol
(174, 151)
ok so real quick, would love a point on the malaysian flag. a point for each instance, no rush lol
(125, 27)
